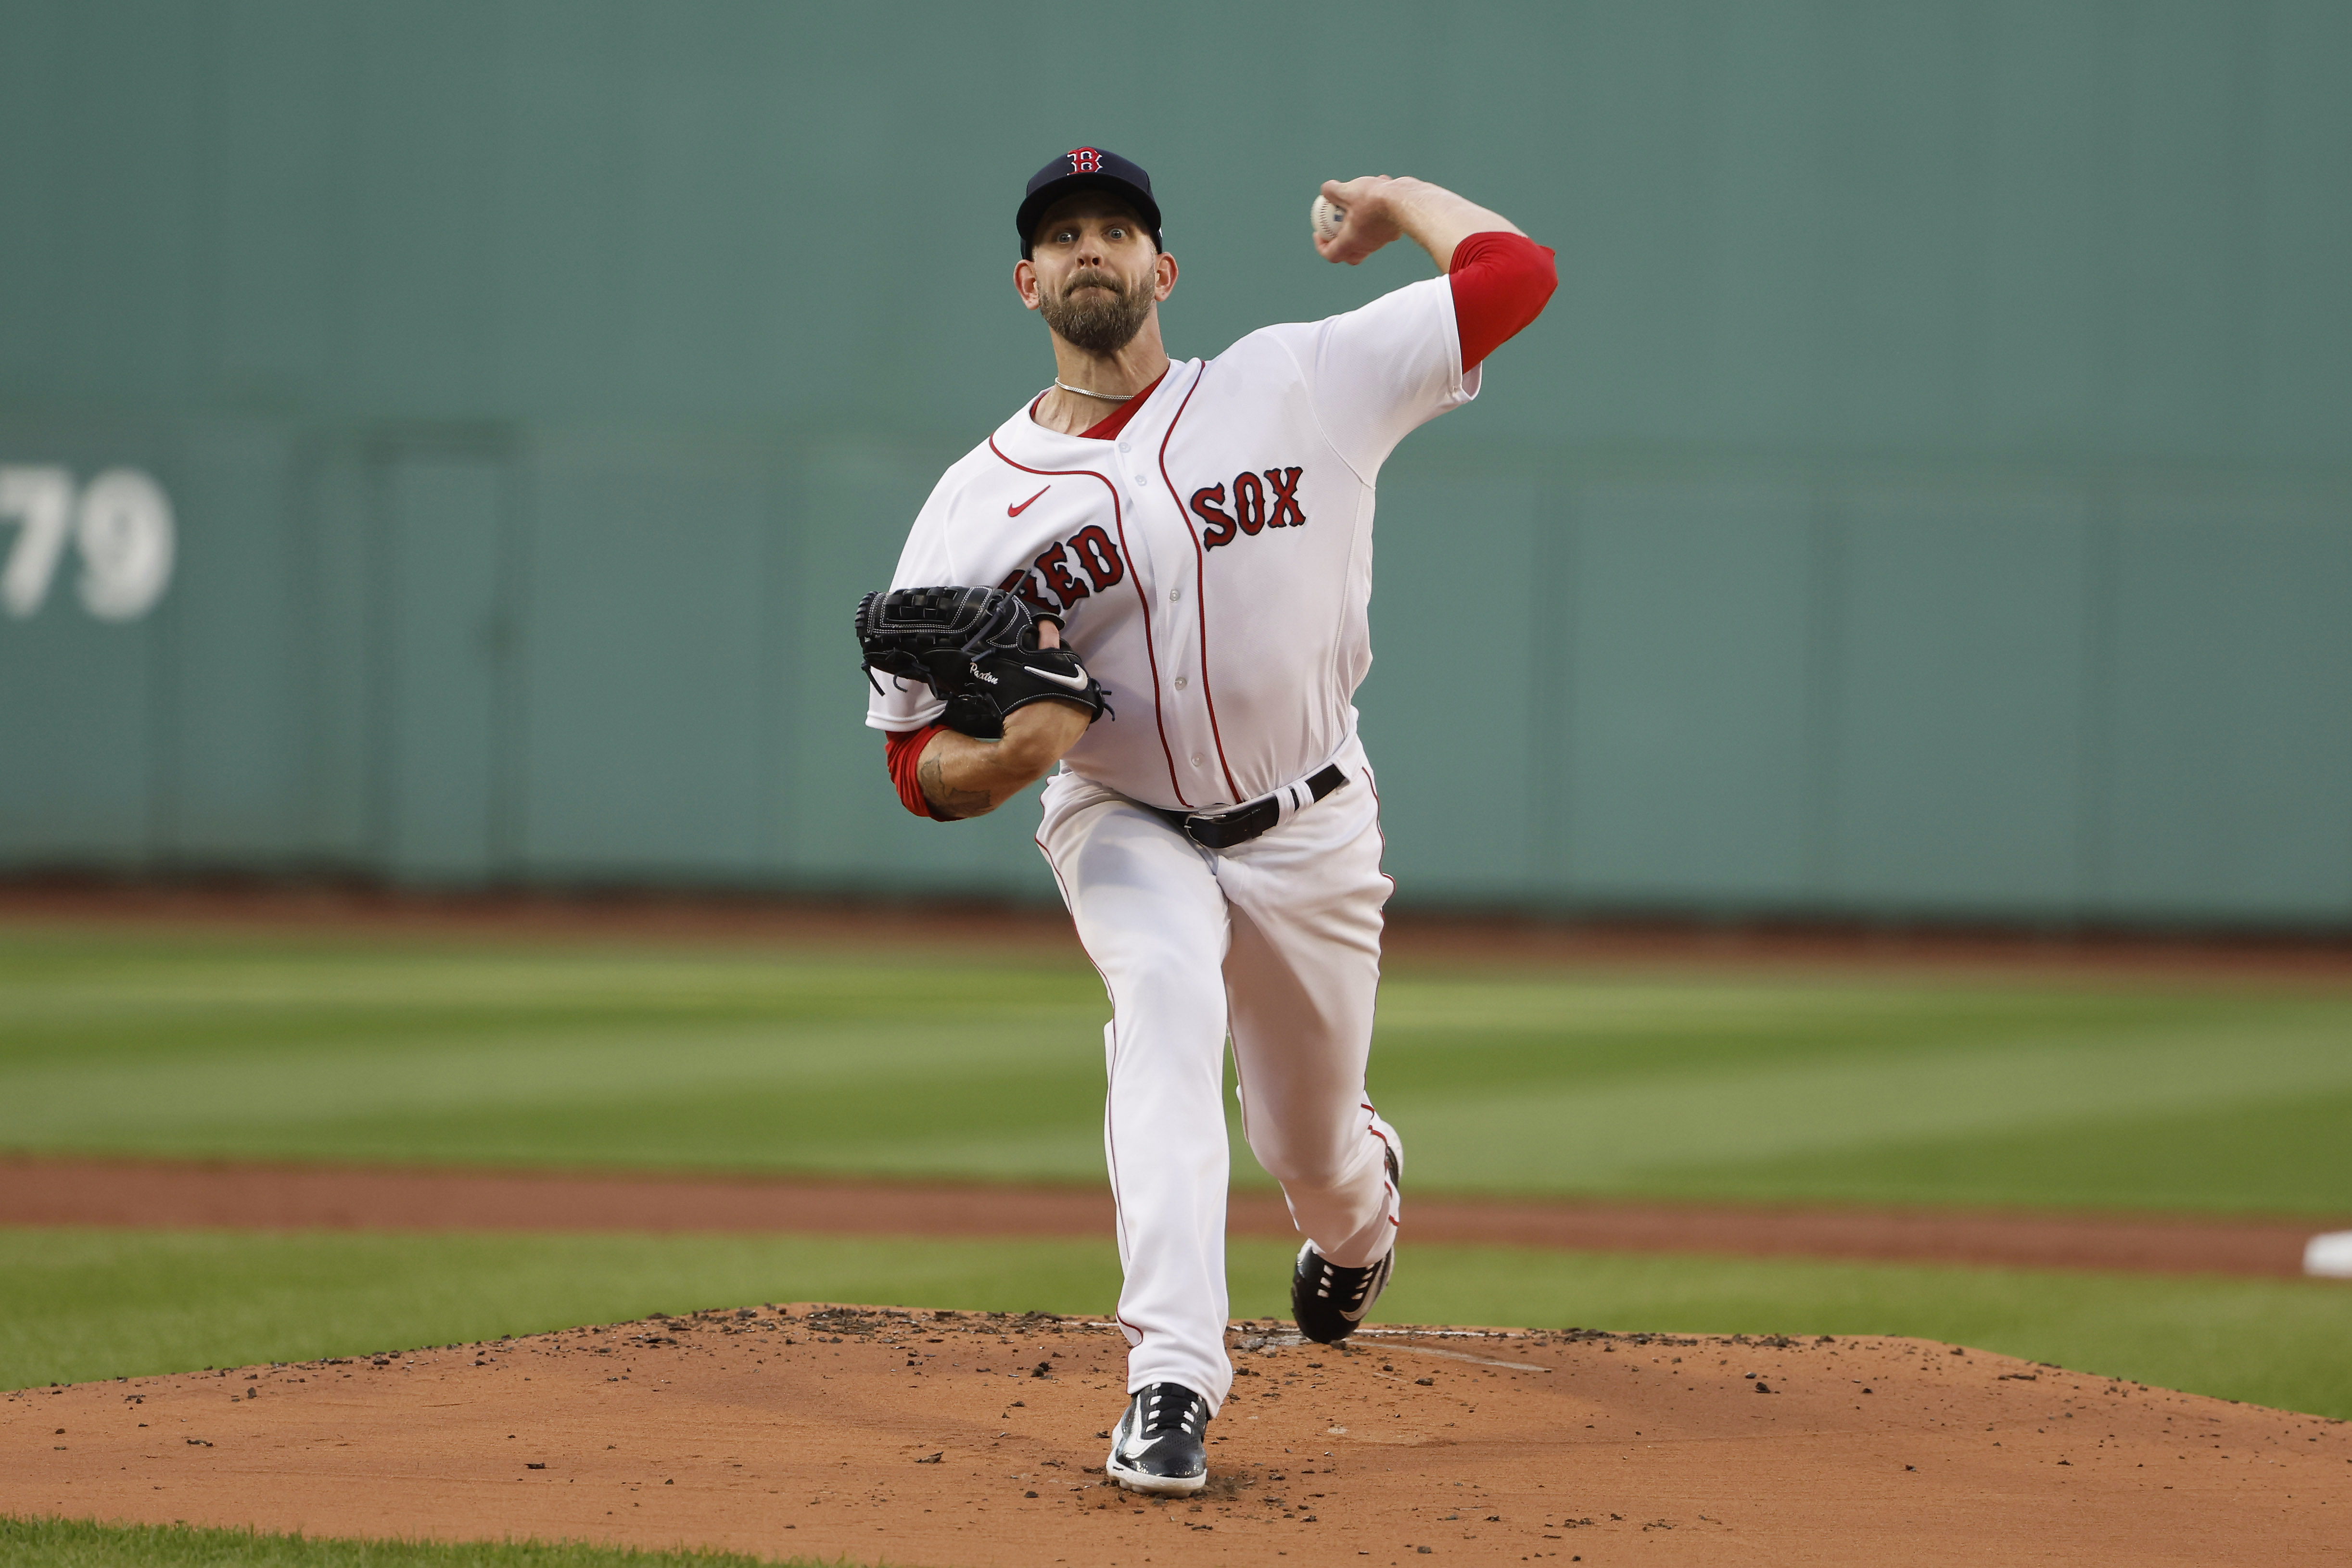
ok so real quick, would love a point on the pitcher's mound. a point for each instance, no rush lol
(968, 1439)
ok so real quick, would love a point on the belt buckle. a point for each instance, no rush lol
(1227, 830)
(1212, 822)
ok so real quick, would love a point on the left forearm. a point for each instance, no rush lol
(962, 777)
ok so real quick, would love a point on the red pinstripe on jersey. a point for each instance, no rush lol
(1379, 828)
(1387, 1186)
(1199, 583)
(1150, 653)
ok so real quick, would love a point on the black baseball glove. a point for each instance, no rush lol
(976, 648)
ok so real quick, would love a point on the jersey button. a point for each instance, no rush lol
(1180, 683)
(1196, 759)
(1175, 593)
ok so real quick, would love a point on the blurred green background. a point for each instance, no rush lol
(1927, 498)
(1927, 494)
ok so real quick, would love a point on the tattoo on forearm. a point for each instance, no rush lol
(953, 801)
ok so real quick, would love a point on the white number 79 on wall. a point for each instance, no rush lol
(121, 526)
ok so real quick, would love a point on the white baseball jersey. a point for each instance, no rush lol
(1213, 560)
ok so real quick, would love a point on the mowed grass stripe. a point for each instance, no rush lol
(82, 1543)
(642, 1098)
(554, 1068)
(1731, 1087)
(1607, 1137)
(2286, 1154)
(79, 1305)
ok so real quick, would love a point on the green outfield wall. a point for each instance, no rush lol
(445, 440)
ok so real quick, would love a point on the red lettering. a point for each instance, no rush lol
(1207, 506)
(1249, 503)
(1056, 573)
(1098, 556)
(1285, 510)
(1023, 587)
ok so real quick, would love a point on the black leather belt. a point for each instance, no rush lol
(1224, 830)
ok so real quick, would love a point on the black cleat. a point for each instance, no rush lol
(1157, 1446)
(1329, 1303)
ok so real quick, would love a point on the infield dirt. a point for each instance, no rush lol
(967, 1439)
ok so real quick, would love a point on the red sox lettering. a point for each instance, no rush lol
(1096, 556)
(1271, 502)
(1273, 505)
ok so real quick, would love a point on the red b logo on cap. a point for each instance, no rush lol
(1084, 160)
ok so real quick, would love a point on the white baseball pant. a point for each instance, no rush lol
(1276, 942)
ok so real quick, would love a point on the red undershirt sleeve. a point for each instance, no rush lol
(1500, 282)
(902, 753)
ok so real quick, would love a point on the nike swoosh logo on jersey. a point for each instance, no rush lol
(1016, 511)
(1077, 683)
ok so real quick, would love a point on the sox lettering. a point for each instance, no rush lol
(1253, 510)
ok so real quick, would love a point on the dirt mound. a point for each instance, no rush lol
(972, 1439)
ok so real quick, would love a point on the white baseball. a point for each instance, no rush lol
(1325, 219)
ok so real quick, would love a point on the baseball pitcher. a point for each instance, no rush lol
(1156, 575)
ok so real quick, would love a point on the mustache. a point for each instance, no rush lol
(1078, 280)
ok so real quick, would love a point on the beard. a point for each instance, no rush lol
(1101, 323)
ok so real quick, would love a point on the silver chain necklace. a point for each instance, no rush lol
(1106, 397)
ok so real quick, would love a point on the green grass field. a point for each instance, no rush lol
(82, 1304)
(1733, 1087)
(69, 1543)
(2218, 1097)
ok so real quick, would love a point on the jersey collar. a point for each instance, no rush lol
(1026, 441)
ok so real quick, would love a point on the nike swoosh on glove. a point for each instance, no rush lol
(977, 649)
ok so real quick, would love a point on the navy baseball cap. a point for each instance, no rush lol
(1086, 169)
